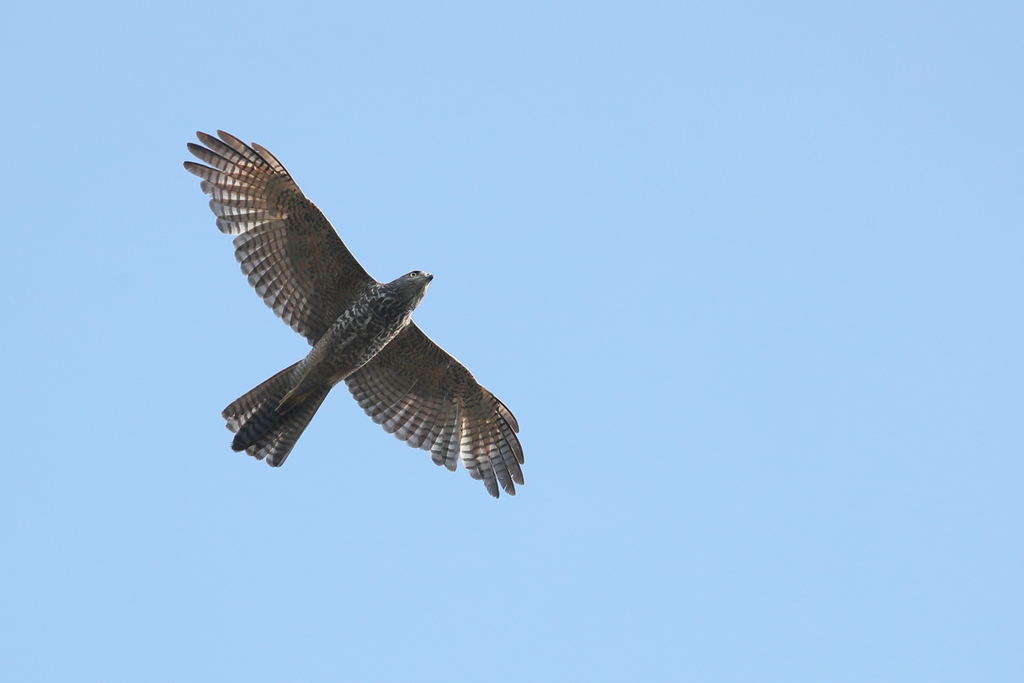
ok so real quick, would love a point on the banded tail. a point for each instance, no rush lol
(263, 427)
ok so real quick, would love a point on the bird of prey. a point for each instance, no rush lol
(360, 329)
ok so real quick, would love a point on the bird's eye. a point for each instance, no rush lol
(416, 273)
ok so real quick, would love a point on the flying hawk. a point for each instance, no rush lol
(360, 329)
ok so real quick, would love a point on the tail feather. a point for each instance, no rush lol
(278, 440)
(244, 407)
(262, 429)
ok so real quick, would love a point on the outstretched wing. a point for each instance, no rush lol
(287, 248)
(423, 396)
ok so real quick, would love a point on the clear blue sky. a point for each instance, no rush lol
(750, 275)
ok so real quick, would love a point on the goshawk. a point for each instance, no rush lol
(360, 329)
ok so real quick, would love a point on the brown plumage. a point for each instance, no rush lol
(360, 329)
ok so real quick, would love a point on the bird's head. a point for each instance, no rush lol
(411, 287)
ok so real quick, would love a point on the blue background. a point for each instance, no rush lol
(750, 275)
